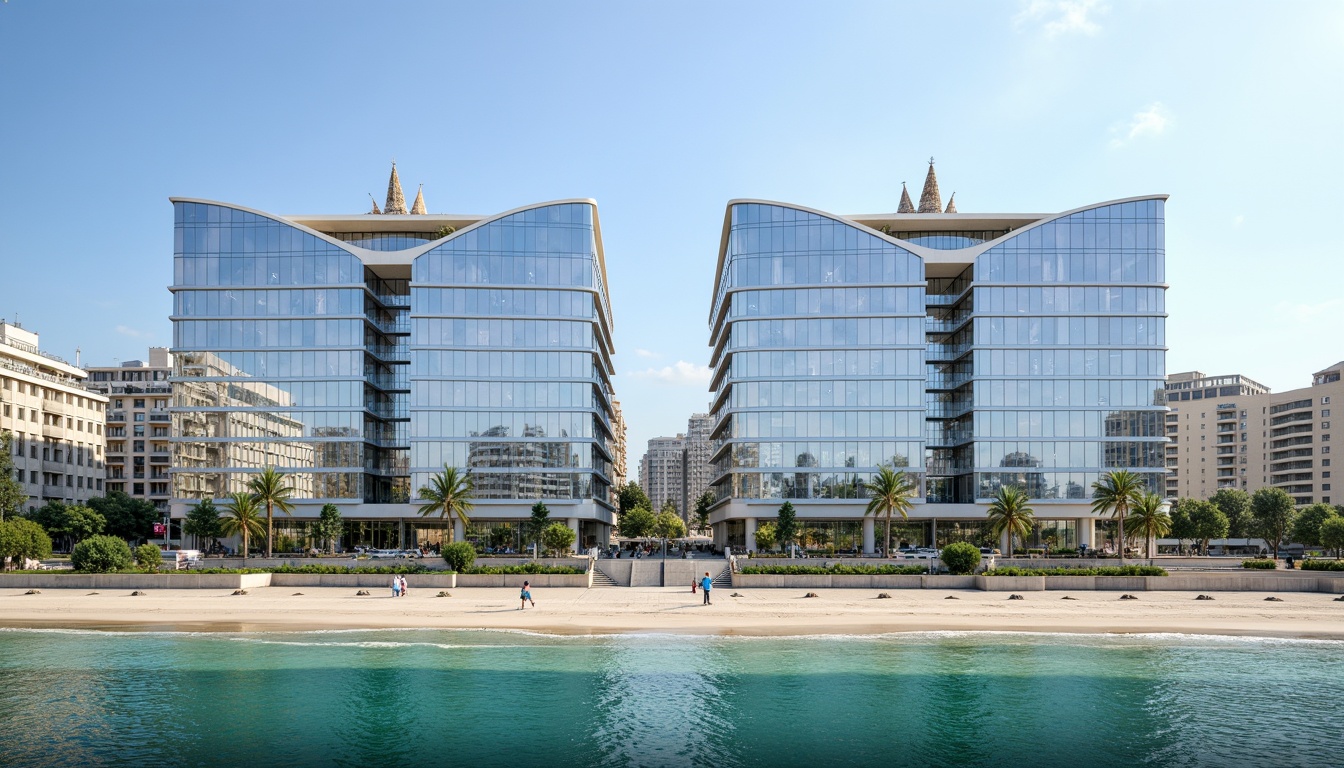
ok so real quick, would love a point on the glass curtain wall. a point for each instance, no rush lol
(269, 338)
(819, 342)
(1067, 345)
(510, 361)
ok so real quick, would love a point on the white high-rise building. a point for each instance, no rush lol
(138, 425)
(662, 472)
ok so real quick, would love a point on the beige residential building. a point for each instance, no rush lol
(139, 428)
(619, 467)
(57, 426)
(662, 472)
(1240, 435)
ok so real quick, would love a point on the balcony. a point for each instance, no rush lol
(160, 416)
(160, 457)
(116, 417)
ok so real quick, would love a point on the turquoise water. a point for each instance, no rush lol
(432, 697)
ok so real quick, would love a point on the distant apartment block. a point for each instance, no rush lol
(662, 472)
(619, 468)
(699, 451)
(1232, 432)
(139, 427)
(56, 426)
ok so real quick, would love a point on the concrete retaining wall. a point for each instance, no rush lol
(539, 580)
(1012, 583)
(616, 570)
(135, 580)
(363, 580)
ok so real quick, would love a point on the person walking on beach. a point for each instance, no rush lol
(706, 584)
(404, 589)
(396, 586)
(526, 596)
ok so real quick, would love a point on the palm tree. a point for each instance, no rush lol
(242, 515)
(891, 491)
(450, 495)
(1150, 519)
(1009, 512)
(1117, 492)
(269, 488)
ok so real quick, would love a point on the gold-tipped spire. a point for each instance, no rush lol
(418, 207)
(906, 206)
(951, 204)
(929, 200)
(396, 201)
(375, 210)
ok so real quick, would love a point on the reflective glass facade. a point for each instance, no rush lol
(360, 362)
(1031, 355)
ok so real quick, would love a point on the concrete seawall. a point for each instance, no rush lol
(1179, 583)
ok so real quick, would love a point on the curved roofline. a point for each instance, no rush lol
(929, 255)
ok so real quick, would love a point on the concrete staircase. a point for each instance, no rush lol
(601, 579)
(725, 578)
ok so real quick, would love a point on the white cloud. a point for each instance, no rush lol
(1303, 312)
(680, 373)
(644, 353)
(1148, 122)
(133, 333)
(1237, 221)
(1062, 17)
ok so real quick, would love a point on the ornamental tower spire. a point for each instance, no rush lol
(951, 204)
(906, 206)
(396, 201)
(929, 200)
(418, 207)
(375, 210)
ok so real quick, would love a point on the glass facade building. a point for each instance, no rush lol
(361, 354)
(972, 350)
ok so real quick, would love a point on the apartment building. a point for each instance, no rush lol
(619, 466)
(699, 451)
(139, 427)
(1240, 435)
(662, 472)
(56, 425)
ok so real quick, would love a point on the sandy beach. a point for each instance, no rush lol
(655, 609)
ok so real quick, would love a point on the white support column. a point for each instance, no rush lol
(1087, 532)
(574, 526)
(751, 534)
(459, 530)
(868, 536)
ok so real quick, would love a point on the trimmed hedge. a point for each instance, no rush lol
(101, 554)
(1128, 570)
(961, 557)
(838, 569)
(527, 568)
(1261, 564)
(1323, 565)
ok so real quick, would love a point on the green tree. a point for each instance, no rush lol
(1272, 513)
(1117, 492)
(101, 554)
(1332, 534)
(1182, 528)
(558, 539)
(668, 524)
(786, 525)
(22, 539)
(537, 525)
(127, 518)
(270, 489)
(1009, 513)
(637, 523)
(12, 495)
(890, 493)
(1236, 505)
(1149, 519)
(961, 557)
(1307, 526)
(328, 527)
(765, 537)
(202, 521)
(450, 495)
(1207, 521)
(459, 556)
(242, 516)
(700, 520)
(631, 496)
(148, 557)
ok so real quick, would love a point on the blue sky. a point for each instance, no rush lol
(662, 113)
